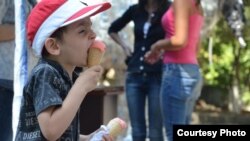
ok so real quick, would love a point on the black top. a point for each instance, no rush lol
(48, 86)
(142, 42)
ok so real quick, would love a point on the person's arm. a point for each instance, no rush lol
(182, 13)
(117, 38)
(118, 25)
(179, 39)
(53, 121)
(181, 18)
(7, 32)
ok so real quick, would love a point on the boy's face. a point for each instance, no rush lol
(76, 41)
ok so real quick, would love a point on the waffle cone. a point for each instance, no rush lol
(116, 126)
(94, 57)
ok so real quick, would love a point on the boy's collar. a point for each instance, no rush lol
(57, 66)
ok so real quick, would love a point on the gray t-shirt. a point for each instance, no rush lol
(48, 86)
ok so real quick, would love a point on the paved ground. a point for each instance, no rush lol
(201, 115)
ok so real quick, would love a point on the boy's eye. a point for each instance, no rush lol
(81, 31)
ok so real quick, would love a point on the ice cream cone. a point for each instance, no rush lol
(95, 53)
(116, 126)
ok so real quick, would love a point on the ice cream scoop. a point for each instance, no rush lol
(95, 53)
(116, 126)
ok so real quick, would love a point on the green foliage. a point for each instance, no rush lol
(246, 98)
(218, 72)
(227, 56)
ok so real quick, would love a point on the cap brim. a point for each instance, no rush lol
(87, 11)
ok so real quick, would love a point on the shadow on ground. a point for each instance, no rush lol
(209, 114)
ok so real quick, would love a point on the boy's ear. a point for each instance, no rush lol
(52, 46)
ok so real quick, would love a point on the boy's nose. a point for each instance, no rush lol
(92, 35)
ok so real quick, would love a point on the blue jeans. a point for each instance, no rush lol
(181, 87)
(139, 88)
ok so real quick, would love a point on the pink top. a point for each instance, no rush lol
(186, 55)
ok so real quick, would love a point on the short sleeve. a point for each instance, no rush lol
(46, 89)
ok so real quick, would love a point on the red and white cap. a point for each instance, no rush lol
(49, 15)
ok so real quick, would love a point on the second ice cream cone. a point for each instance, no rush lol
(116, 126)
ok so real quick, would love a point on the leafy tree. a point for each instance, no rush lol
(225, 64)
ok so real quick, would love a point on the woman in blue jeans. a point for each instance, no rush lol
(143, 80)
(181, 87)
(181, 81)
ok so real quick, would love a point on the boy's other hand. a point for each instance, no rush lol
(101, 134)
(107, 138)
(90, 77)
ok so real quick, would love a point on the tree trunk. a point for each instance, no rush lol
(234, 98)
(235, 104)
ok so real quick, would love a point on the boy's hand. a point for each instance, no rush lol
(90, 77)
(107, 138)
(100, 134)
(90, 138)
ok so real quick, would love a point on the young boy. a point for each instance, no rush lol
(59, 32)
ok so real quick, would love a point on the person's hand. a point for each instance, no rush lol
(107, 137)
(101, 134)
(152, 57)
(90, 77)
(154, 54)
(92, 137)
